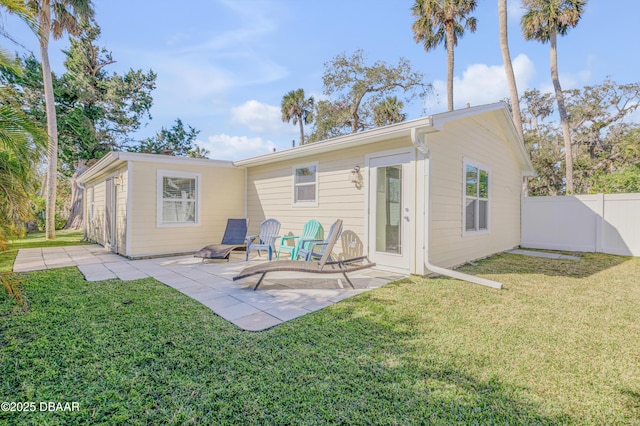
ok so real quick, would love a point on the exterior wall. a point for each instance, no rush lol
(97, 227)
(221, 197)
(270, 194)
(477, 139)
(121, 211)
(604, 223)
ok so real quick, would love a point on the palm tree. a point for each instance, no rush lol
(55, 17)
(543, 21)
(443, 21)
(297, 109)
(21, 141)
(389, 111)
(508, 67)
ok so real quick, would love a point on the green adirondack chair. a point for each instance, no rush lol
(312, 231)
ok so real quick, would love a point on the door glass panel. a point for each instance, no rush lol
(389, 209)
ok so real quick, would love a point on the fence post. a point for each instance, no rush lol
(599, 223)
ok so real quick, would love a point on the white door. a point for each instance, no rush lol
(391, 236)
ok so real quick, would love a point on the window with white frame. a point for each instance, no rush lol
(92, 202)
(305, 184)
(476, 198)
(178, 194)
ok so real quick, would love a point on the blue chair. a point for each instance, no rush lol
(266, 240)
(314, 249)
(234, 238)
(312, 231)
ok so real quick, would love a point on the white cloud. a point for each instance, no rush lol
(260, 118)
(482, 84)
(225, 147)
(250, 21)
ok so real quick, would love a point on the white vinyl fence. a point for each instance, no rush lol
(596, 223)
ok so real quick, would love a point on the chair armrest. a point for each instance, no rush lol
(305, 241)
(288, 237)
(313, 246)
(250, 238)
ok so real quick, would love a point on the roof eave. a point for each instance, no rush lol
(341, 142)
(117, 158)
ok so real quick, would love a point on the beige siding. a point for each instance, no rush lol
(270, 193)
(479, 141)
(221, 197)
(121, 212)
(96, 227)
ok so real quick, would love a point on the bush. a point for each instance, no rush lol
(625, 180)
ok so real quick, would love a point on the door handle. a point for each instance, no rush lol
(406, 218)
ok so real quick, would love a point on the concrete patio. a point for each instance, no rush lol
(281, 297)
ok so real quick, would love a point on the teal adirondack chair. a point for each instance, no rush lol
(312, 231)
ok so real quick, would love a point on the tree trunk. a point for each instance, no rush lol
(566, 134)
(301, 132)
(76, 215)
(52, 125)
(508, 68)
(450, 46)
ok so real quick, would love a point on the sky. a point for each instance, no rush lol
(223, 66)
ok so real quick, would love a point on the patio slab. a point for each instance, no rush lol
(281, 297)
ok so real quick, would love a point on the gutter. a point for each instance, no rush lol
(418, 139)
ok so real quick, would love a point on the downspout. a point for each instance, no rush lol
(419, 141)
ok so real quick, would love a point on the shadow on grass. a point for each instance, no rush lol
(505, 263)
(140, 352)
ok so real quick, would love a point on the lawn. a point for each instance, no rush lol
(37, 239)
(558, 345)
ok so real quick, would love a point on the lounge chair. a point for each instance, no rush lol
(233, 239)
(311, 232)
(315, 249)
(323, 266)
(266, 240)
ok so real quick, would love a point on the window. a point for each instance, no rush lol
(177, 198)
(92, 203)
(476, 198)
(305, 185)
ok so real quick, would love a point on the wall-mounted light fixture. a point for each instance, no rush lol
(355, 176)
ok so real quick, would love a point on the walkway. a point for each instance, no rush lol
(281, 297)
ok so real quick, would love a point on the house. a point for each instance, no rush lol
(438, 190)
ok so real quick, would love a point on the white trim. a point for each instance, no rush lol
(115, 157)
(129, 209)
(160, 174)
(368, 159)
(294, 185)
(423, 125)
(246, 193)
(480, 166)
(91, 214)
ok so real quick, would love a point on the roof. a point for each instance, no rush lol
(430, 124)
(423, 125)
(115, 159)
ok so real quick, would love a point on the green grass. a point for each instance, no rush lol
(558, 345)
